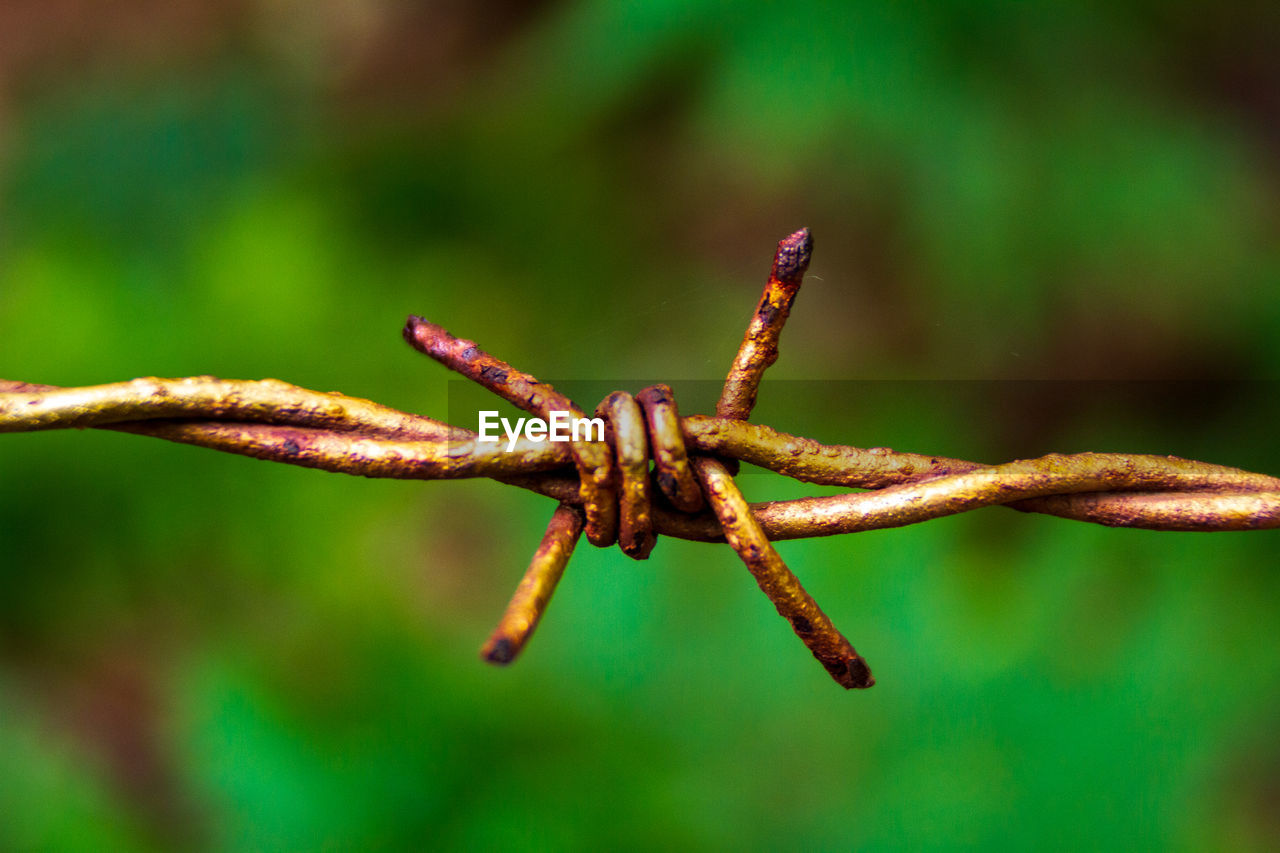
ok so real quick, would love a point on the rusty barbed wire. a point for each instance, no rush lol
(606, 488)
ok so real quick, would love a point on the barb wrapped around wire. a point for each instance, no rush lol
(606, 488)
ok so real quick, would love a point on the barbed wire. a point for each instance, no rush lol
(606, 489)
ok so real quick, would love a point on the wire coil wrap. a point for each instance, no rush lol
(655, 472)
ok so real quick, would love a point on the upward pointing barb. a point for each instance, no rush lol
(759, 347)
(792, 258)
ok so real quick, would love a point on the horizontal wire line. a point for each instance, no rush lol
(1192, 495)
(604, 488)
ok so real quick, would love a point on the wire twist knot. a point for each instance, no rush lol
(691, 493)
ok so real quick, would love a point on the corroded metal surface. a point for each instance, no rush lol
(595, 464)
(631, 448)
(759, 347)
(606, 486)
(670, 458)
(534, 592)
(759, 350)
(782, 587)
(27, 407)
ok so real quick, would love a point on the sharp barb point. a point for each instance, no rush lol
(792, 258)
(275, 421)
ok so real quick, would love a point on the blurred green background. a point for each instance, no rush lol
(200, 651)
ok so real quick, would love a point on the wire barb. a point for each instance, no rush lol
(536, 587)
(523, 391)
(759, 348)
(758, 351)
(782, 587)
(631, 447)
(674, 476)
(605, 488)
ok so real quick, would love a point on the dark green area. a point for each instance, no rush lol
(203, 651)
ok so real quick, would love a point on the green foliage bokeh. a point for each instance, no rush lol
(200, 650)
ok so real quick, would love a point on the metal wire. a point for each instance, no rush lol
(607, 487)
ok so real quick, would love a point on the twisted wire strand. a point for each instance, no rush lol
(527, 393)
(1182, 495)
(354, 447)
(606, 488)
(674, 476)
(627, 437)
(207, 397)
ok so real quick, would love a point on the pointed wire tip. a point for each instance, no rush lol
(417, 330)
(850, 673)
(410, 324)
(792, 257)
(500, 651)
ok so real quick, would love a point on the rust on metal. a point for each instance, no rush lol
(533, 594)
(631, 448)
(524, 392)
(782, 587)
(670, 458)
(759, 348)
(605, 487)
(27, 407)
